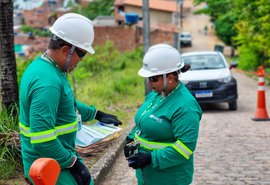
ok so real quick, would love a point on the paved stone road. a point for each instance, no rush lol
(232, 149)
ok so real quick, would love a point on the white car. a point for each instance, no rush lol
(209, 78)
(185, 39)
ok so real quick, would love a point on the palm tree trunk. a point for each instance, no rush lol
(8, 71)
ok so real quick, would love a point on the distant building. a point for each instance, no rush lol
(44, 15)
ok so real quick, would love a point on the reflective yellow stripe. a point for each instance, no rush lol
(66, 129)
(24, 130)
(182, 149)
(178, 146)
(40, 137)
(150, 145)
(48, 135)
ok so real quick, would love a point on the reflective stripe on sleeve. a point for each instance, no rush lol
(180, 147)
(66, 129)
(24, 130)
(40, 137)
(48, 135)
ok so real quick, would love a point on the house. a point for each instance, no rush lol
(160, 11)
(43, 16)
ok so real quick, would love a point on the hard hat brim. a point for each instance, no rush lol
(90, 50)
(145, 73)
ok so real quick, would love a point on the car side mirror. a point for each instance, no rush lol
(233, 65)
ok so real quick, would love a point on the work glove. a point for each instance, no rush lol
(80, 173)
(185, 68)
(139, 160)
(107, 118)
(129, 149)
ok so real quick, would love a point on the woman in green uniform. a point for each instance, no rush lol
(49, 113)
(167, 123)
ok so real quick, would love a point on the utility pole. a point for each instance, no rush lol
(179, 9)
(146, 36)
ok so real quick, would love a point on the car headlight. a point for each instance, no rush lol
(225, 80)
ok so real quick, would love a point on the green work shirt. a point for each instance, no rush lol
(166, 120)
(47, 111)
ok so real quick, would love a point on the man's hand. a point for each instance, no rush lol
(107, 118)
(80, 173)
(139, 160)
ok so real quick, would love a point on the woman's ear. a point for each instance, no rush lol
(170, 77)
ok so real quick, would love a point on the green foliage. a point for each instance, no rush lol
(248, 60)
(253, 31)
(214, 8)
(96, 8)
(105, 57)
(225, 28)
(36, 31)
(22, 64)
(109, 80)
(10, 155)
(112, 82)
(222, 17)
(243, 24)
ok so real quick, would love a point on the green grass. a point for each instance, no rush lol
(10, 157)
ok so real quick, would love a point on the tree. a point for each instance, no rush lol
(8, 76)
(97, 8)
(222, 16)
(253, 33)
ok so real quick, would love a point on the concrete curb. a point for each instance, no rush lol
(103, 165)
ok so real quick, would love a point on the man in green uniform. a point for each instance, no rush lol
(167, 123)
(49, 113)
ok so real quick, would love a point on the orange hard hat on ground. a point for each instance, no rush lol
(44, 171)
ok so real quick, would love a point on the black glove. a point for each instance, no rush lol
(129, 149)
(185, 68)
(107, 118)
(80, 173)
(139, 160)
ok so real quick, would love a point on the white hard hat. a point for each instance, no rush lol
(160, 59)
(76, 30)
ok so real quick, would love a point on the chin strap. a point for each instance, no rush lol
(71, 52)
(164, 85)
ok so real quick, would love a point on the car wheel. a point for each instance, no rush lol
(233, 105)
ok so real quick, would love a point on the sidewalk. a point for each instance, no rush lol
(101, 168)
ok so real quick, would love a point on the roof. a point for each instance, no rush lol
(163, 5)
(118, 2)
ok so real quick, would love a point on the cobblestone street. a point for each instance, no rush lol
(232, 148)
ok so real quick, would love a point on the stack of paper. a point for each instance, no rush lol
(90, 134)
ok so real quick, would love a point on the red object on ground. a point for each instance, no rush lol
(44, 171)
(261, 112)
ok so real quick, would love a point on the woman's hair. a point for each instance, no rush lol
(175, 74)
(182, 70)
(185, 68)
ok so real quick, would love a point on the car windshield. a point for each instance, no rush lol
(185, 36)
(201, 62)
